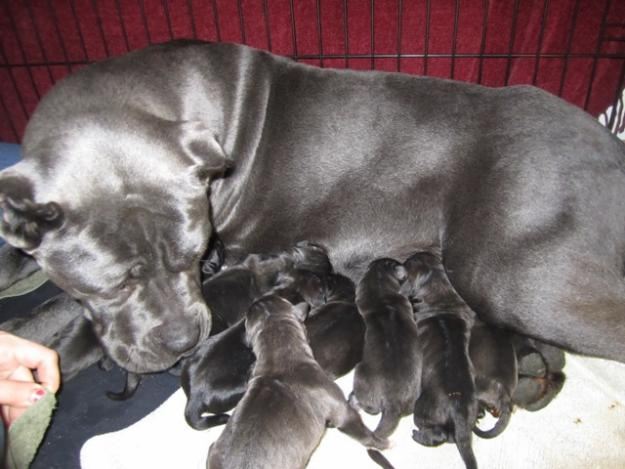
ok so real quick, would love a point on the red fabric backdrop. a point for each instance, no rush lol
(573, 48)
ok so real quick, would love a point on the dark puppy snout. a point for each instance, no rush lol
(176, 339)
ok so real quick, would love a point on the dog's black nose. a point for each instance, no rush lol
(177, 339)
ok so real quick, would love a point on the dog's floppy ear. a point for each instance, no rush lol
(200, 144)
(24, 222)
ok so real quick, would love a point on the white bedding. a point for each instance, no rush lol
(584, 427)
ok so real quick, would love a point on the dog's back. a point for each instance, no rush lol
(446, 409)
(387, 378)
(280, 404)
(215, 377)
(290, 399)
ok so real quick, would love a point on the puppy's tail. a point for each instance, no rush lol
(462, 437)
(388, 422)
(500, 425)
(379, 459)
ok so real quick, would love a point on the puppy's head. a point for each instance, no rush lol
(269, 309)
(420, 268)
(114, 209)
(299, 285)
(340, 288)
(385, 273)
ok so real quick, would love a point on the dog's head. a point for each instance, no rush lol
(114, 208)
(269, 309)
(420, 269)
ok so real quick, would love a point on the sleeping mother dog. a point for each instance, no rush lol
(130, 164)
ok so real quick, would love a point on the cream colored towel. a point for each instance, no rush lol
(584, 427)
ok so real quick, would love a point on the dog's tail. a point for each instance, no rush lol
(388, 422)
(462, 437)
(500, 425)
(379, 459)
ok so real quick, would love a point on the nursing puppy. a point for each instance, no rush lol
(339, 288)
(447, 407)
(496, 375)
(290, 402)
(215, 376)
(336, 329)
(230, 292)
(387, 379)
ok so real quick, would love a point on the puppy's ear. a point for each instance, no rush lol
(25, 222)
(200, 144)
(301, 311)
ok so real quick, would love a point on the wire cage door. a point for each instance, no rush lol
(572, 48)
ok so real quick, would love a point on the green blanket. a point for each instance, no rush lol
(26, 433)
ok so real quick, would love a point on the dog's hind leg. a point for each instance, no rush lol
(130, 387)
(432, 436)
(388, 422)
(347, 420)
(212, 421)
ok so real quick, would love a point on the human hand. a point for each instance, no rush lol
(27, 371)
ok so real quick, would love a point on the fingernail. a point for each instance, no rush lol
(38, 394)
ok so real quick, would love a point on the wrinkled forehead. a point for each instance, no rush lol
(83, 265)
(96, 253)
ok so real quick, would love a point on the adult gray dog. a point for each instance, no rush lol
(523, 193)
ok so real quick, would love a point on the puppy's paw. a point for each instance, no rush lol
(380, 443)
(532, 364)
(353, 401)
(536, 393)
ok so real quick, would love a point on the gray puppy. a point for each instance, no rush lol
(336, 331)
(215, 376)
(230, 292)
(496, 374)
(290, 398)
(387, 379)
(447, 407)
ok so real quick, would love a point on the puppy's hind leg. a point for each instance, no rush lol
(433, 436)
(349, 422)
(388, 422)
(212, 421)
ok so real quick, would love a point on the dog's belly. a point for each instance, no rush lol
(528, 239)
